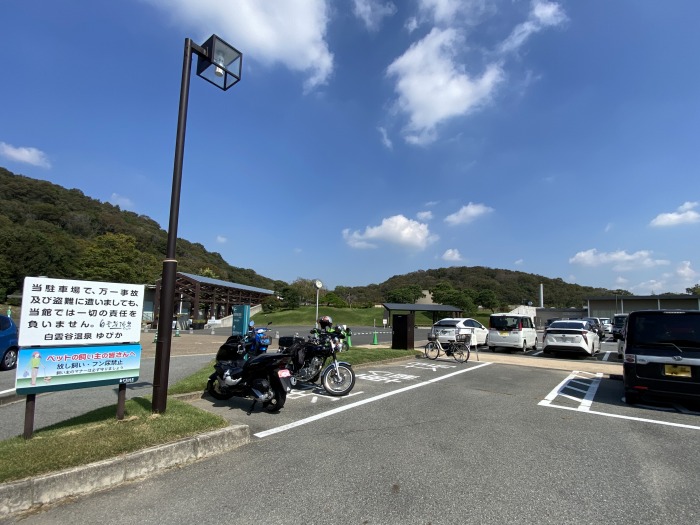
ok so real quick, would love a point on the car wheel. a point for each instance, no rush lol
(534, 345)
(524, 348)
(631, 397)
(9, 360)
(492, 348)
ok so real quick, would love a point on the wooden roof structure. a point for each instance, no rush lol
(214, 295)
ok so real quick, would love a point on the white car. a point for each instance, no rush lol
(574, 336)
(512, 331)
(446, 329)
(607, 325)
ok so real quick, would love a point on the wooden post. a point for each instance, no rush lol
(121, 400)
(29, 416)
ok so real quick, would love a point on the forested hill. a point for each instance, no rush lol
(48, 230)
(510, 287)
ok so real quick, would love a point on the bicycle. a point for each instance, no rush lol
(459, 349)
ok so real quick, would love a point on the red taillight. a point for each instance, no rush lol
(585, 336)
(283, 373)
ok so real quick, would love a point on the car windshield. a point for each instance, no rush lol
(619, 322)
(665, 329)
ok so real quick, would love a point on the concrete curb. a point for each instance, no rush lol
(27, 494)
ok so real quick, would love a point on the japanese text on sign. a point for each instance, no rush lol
(57, 312)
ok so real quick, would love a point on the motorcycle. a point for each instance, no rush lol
(243, 371)
(309, 357)
(257, 337)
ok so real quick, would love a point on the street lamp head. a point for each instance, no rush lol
(222, 64)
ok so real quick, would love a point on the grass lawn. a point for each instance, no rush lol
(98, 435)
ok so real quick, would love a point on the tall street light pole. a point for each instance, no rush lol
(220, 64)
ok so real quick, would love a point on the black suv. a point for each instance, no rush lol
(662, 355)
(618, 325)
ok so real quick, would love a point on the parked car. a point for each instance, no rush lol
(550, 321)
(619, 321)
(576, 336)
(512, 331)
(8, 343)
(662, 355)
(597, 326)
(446, 329)
(607, 325)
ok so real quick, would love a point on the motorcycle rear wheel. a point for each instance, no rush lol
(213, 390)
(338, 383)
(277, 402)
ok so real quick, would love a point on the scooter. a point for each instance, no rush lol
(243, 372)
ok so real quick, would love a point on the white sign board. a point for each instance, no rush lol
(60, 312)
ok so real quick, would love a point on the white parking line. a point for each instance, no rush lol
(618, 416)
(316, 417)
(585, 403)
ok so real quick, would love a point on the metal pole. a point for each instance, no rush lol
(316, 322)
(167, 289)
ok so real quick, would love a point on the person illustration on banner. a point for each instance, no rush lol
(34, 364)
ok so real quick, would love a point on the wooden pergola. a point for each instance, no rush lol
(214, 295)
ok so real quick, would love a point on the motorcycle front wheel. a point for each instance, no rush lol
(215, 392)
(340, 382)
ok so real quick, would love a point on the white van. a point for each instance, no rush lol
(512, 331)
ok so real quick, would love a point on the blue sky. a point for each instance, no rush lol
(368, 138)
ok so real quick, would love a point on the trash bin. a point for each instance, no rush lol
(402, 334)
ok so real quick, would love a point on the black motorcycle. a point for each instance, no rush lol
(241, 371)
(308, 358)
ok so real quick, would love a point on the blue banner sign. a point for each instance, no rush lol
(67, 367)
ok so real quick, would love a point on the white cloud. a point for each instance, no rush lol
(395, 230)
(685, 272)
(621, 260)
(288, 32)
(452, 254)
(608, 227)
(652, 286)
(432, 88)
(221, 239)
(621, 281)
(424, 215)
(25, 155)
(124, 203)
(371, 12)
(411, 24)
(468, 214)
(542, 15)
(519, 262)
(385, 138)
(685, 214)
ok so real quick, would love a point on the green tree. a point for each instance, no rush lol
(693, 290)
(488, 299)
(290, 297)
(270, 304)
(113, 257)
(405, 294)
(331, 299)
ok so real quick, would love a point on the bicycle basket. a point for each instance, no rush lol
(464, 338)
(432, 337)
